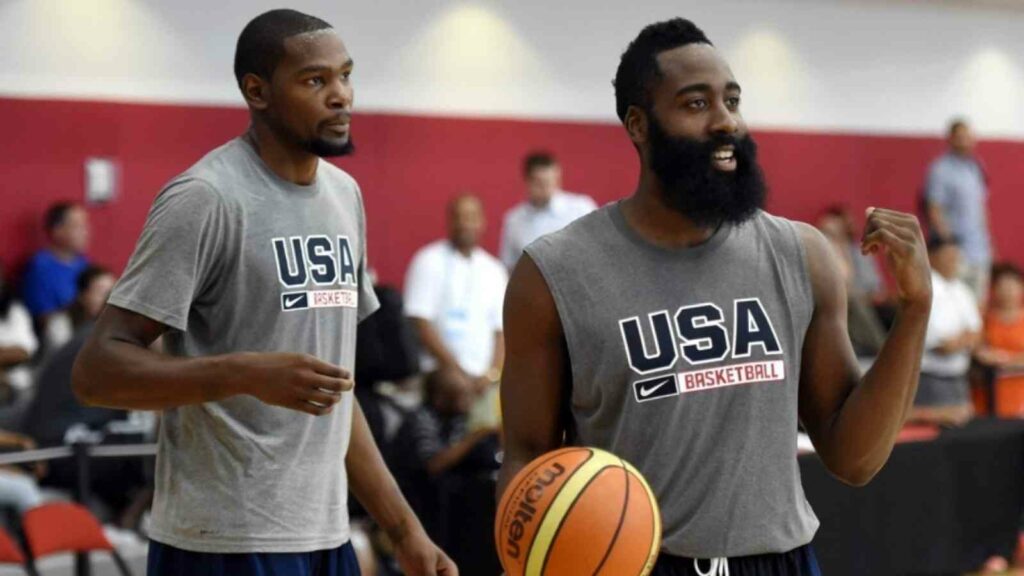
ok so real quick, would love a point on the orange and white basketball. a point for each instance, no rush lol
(578, 511)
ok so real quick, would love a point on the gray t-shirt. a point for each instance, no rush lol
(233, 258)
(686, 363)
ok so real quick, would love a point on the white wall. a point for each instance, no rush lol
(853, 66)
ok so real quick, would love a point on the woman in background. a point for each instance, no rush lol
(1003, 342)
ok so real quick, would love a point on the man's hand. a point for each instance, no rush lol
(296, 381)
(418, 556)
(994, 357)
(899, 235)
(481, 384)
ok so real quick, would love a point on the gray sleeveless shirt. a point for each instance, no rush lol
(686, 363)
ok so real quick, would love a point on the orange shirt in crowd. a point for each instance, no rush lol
(1009, 337)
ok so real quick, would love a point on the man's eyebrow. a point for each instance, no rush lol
(318, 67)
(705, 87)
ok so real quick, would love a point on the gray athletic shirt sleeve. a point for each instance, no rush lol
(232, 259)
(178, 253)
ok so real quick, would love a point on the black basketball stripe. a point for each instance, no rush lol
(568, 511)
(622, 519)
(655, 514)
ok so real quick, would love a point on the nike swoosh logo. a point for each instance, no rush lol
(645, 392)
(289, 302)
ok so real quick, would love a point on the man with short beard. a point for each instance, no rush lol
(252, 265)
(690, 332)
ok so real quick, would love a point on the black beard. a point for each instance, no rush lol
(325, 149)
(316, 146)
(694, 188)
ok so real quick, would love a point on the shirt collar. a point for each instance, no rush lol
(554, 205)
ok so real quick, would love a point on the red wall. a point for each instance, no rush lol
(408, 166)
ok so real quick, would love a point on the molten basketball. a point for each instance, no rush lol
(578, 511)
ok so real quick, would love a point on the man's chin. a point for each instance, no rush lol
(332, 148)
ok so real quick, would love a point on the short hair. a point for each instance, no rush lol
(1002, 270)
(261, 44)
(89, 274)
(956, 124)
(56, 214)
(435, 382)
(460, 198)
(638, 67)
(538, 159)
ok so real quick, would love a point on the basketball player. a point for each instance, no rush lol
(689, 332)
(252, 265)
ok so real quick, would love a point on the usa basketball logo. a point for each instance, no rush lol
(703, 339)
(327, 265)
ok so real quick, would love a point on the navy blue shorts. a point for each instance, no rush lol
(797, 562)
(167, 560)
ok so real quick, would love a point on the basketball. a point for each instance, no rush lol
(578, 511)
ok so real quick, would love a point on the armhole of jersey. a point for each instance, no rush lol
(789, 233)
(804, 268)
(558, 297)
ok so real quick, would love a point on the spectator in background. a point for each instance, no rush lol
(954, 329)
(18, 489)
(115, 482)
(867, 334)
(17, 345)
(93, 287)
(956, 201)
(446, 464)
(50, 279)
(1004, 320)
(547, 208)
(454, 292)
(866, 275)
(1003, 344)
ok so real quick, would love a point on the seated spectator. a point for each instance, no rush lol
(17, 345)
(953, 332)
(446, 470)
(93, 288)
(1003, 346)
(115, 482)
(18, 488)
(50, 278)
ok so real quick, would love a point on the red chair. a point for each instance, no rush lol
(10, 553)
(66, 527)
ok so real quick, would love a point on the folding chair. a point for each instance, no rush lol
(66, 527)
(10, 552)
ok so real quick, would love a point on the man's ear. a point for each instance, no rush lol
(636, 123)
(256, 91)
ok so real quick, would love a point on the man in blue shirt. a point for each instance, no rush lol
(957, 201)
(50, 278)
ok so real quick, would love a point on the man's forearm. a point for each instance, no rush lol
(372, 483)
(12, 356)
(865, 428)
(452, 455)
(118, 374)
